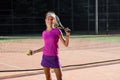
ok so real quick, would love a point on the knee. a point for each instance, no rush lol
(59, 77)
(48, 79)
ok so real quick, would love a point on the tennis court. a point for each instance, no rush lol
(86, 58)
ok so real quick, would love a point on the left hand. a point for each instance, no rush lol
(67, 30)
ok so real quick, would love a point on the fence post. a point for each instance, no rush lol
(96, 16)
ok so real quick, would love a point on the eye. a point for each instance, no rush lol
(51, 19)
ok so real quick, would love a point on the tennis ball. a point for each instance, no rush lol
(29, 52)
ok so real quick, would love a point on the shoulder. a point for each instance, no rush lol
(43, 33)
(57, 30)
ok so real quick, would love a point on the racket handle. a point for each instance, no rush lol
(67, 30)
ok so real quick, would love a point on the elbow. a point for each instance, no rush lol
(66, 45)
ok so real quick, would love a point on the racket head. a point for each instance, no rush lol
(59, 24)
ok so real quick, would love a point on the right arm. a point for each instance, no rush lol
(36, 51)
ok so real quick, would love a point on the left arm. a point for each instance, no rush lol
(65, 40)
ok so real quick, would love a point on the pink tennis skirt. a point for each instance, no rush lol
(50, 61)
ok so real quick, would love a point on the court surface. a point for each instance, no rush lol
(82, 60)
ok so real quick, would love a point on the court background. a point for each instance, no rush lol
(81, 16)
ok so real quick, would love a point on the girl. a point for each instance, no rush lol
(51, 36)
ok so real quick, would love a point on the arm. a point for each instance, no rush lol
(65, 41)
(36, 51)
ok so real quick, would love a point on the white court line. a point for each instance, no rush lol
(9, 65)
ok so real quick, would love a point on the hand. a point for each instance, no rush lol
(67, 30)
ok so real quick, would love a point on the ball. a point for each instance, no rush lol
(29, 52)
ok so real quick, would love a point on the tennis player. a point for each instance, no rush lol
(51, 36)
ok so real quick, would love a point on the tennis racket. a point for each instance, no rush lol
(59, 24)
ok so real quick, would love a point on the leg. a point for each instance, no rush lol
(58, 73)
(47, 73)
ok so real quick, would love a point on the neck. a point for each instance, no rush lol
(49, 27)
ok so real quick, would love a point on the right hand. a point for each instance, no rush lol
(29, 52)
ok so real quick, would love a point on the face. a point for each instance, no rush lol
(50, 20)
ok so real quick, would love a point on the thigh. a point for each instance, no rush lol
(47, 73)
(58, 73)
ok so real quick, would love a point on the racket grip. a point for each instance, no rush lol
(67, 30)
